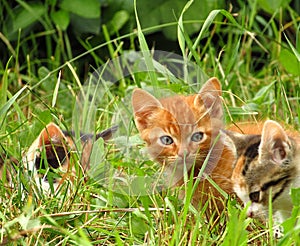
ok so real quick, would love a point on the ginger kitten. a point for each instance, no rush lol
(267, 164)
(51, 152)
(182, 131)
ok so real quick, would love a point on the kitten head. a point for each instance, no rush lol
(51, 152)
(266, 165)
(179, 129)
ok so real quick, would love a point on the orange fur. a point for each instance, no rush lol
(247, 127)
(180, 117)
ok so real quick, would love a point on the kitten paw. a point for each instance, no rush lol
(278, 232)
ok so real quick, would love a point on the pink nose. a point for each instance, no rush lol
(250, 214)
(183, 154)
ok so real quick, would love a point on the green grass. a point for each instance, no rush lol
(247, 51)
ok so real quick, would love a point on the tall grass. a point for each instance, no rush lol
(248, 60)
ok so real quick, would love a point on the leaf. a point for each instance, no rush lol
(97, 153)
(153, 13)
(295, 194)
(61, 18)
(87, 9)
(138, 223)
(289, 62)
(98, 168)
(271, 6)
(49, 82)
(22, 18)
(259, 97)
(45, 118)
(84, 25)
(132, 141)
(118, 21)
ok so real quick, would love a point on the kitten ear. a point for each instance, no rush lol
(51, 134)
(144, 105)
(275, 143)
(212, 85)
(107, 133)
(54, 142)
(142, 99)
(210, 95)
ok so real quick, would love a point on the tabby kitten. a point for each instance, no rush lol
(183, 131)
(267, 164)
(50, 153)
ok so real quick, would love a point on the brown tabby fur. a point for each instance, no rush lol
(180, 117)
(267, 164)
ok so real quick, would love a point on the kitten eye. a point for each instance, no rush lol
(197, 136)
(166, 140)
(254, 196)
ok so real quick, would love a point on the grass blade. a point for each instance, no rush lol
(295, 51)
(10, 102)
(146, 53)
(55, 93)
(180, 27)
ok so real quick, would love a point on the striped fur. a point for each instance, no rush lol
(267, 165)
(191, 124)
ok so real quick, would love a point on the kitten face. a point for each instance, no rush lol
(267, 165)
(50, 153)
(179, 130)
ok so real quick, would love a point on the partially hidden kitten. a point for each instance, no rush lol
(183, 131)
(50, 153)
(267, 165)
